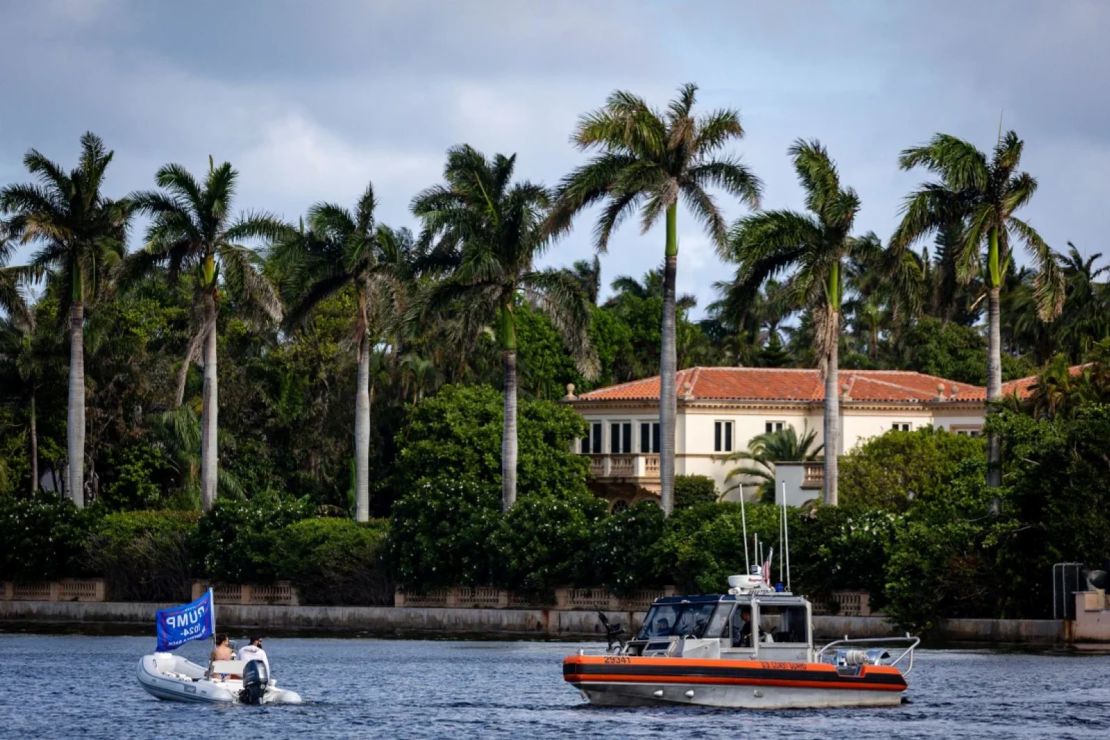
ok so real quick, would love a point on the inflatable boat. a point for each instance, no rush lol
(173, 678)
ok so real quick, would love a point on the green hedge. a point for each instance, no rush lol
(41, 538)
(238, 541)
(143, 555)
(691, 490)
(337, 561)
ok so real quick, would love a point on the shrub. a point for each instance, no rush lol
(139, 474)
(41, 537)
(704, 544)
(143, 555)
(457, 434)
(545, 541)
(623, 554)
(691, 490)
(238, 540)
(841, 549)
(337, 561)
(942, 555)
(883, 472)
(441, 533)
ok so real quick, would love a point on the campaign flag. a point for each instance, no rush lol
(180, 624)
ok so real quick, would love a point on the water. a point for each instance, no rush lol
(55, 686)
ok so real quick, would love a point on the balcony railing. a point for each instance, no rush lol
(814, 475)
(624, 466)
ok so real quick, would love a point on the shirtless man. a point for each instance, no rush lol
(222, 651)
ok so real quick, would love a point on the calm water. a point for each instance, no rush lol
(53, 686)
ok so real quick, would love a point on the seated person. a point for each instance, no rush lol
(662, 627)
(254, 651)
(221, 651)
(742, 628)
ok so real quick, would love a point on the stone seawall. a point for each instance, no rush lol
(434, 622)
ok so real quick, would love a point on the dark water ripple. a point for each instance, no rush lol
(73, 686)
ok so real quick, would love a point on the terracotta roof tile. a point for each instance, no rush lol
(782, 384)
(1023, 387)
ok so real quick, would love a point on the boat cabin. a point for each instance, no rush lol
(765, 625)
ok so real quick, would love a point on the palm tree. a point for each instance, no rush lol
(17, 331)
(1085, 319)
(646, 160)
(878, 297)
(588, 275)
(83, 236)
(988, 193)
(764, 450)
(650, 286)
(344, 250)
(495, 229)
(813, 245)
(192, 229)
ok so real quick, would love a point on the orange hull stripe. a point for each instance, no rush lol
(696, 663)
(628, 678)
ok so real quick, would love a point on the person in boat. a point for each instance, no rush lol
(742, 631)
(662, 627)
(221, 651)
(254, 651)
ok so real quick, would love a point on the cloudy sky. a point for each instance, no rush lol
(310, 100)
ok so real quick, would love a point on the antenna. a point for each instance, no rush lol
(782, 532)
(786, 536)
(1000, 112)
(744, 524)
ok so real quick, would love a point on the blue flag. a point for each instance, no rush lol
(180, 624)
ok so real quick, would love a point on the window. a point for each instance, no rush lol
(591, 443)
(773, 426)
(967, 431)
(783, 623)
(901, 426)
(620, 437)
(722, 436)
(649, 437)
(666, 620)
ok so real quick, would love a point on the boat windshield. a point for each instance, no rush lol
(681, 620)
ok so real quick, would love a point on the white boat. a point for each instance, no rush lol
(701, 650)
(173, 678)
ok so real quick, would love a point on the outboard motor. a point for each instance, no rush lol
(255, 679)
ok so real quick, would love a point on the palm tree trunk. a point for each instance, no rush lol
(994, 382)
(75, 428)
(362, 432)
(209, 409)
(509, 452)
(183, 371)
(668, 361)
(34, 448)
(832, 390)
(832, 419)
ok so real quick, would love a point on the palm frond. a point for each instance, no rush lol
(246, 282)
(562, 300)
(1049, 280)
(960, 165)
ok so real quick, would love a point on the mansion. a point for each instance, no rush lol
(720, 409)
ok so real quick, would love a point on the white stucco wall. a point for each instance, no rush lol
(694, 433)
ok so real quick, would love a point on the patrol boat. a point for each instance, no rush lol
(751, 648)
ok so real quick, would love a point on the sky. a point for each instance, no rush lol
(312, 100)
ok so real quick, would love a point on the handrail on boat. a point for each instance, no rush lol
(912, 641)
